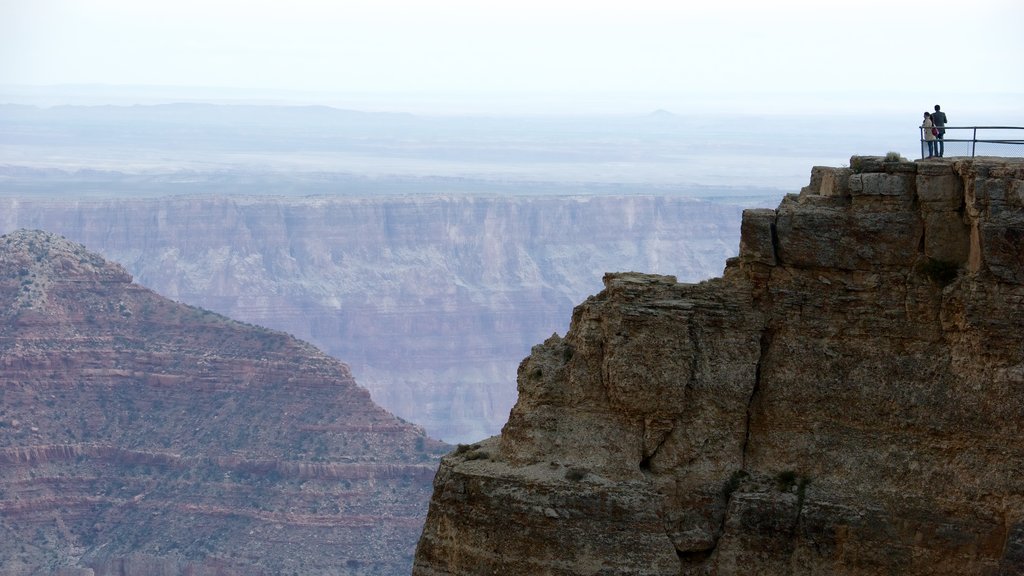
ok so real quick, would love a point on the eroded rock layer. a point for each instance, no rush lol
(847, 399)
(139, 436)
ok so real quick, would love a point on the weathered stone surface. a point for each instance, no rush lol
(140, 437)
(1002, 247)
(817, 175)
(861, 164)
(855, 407)
(947, 236)
(838, 237)
(879, 184)
(939, 188)
(757, 236)
(836, 182)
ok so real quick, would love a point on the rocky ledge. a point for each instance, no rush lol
(847, 399)
(139, 436)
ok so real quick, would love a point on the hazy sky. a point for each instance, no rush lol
(544, 48)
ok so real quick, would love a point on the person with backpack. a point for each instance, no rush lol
(939, 121)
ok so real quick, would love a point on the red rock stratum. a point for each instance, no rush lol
(140, 436)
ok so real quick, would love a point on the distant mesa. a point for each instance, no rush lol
(662, 114)
(141, 436)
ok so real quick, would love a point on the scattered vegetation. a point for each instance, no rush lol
(576, 473)
(733, 483)
(785, 480)
(941, 272)
(893, 157)
(472, 452)
(801, 492)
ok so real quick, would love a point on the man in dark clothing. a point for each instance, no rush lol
(939, 121)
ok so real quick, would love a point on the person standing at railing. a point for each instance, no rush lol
(928, 133)
(939, 121)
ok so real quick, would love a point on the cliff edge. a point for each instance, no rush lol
(847, 399)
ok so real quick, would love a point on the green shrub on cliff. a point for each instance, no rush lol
(785, 480)
(576, 474)
(733, 483)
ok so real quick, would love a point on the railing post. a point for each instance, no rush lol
(996, 135)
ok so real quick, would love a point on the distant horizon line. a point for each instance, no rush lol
(528, 102)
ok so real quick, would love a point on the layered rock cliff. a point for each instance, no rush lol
(847, 399)
(140, 436)
(432, 300)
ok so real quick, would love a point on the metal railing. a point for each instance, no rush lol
(993, 143)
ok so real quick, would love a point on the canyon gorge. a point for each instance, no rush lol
(432, 300)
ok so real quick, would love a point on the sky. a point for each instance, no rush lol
(796, 53)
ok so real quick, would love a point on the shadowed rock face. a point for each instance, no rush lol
(139, 436)
(847, 399)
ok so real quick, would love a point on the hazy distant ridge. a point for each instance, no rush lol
(432, 300)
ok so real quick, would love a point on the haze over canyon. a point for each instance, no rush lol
(451, 247)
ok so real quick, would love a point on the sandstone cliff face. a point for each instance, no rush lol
(432, 301)
(847, 399)
(139, 436)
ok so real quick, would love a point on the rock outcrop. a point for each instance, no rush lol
(847, 399)
(140, 436)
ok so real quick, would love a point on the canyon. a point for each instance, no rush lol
(142, 436)
(431, 299)
(847, 398)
